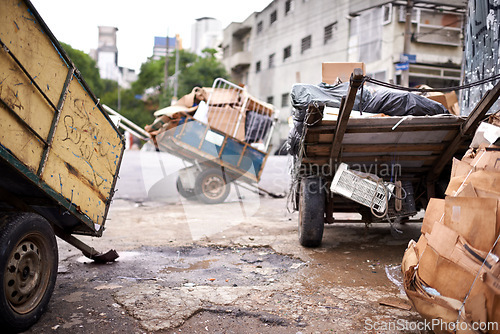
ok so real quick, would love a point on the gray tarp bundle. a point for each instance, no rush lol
(386, 101)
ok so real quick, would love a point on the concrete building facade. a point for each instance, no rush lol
(107, 53)
(287, 42)
(162, 44)
(206, 32)
(106, 57)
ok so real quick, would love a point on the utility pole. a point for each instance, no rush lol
(165, 79)
(405, 75)
(176, 83)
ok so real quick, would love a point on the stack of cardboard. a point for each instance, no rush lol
(448, 100)
(452, 274)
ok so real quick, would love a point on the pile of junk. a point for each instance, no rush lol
(377, 151)
(453, 272)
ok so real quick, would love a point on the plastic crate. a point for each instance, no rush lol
(360, 189)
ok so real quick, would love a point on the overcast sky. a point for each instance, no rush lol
(138, 22)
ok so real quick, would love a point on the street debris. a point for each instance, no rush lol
(395, 302)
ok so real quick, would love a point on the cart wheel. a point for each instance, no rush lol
(28, 259)
(311, 211)
(187, 194)
(211, 186)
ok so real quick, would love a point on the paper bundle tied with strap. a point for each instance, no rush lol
(452, 274)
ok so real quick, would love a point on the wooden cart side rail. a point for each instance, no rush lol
(215, 162)
(467, 130)
(323, 149)
(344, 114)
(327, 127)
(31, 177)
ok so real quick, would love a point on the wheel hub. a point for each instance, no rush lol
(24, 276)
(213, 186)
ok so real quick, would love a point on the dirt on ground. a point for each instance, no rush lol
(230, 268)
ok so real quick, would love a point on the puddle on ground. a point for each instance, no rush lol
(205, 264)
(195, 266)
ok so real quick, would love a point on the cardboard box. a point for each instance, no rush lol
(447, 277)
(486, 184)
(475, 219)
(225, 119)
(448, 100)
(333, 72)
(433, 213)
(460, 168)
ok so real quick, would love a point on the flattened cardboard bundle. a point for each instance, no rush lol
(453, 271)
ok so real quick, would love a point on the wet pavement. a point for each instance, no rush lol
(235, 267)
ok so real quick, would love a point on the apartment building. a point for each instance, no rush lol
(287, 42)
(206, 32)
(162, 45)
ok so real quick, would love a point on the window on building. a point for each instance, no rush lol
(260, 26)
(289, 6)
(274, 16)
(285, 99)
(270, 99)
(271, 60)
(257, 67)
(287, 52)
(329, 29)
(387, 13)
(305, 44)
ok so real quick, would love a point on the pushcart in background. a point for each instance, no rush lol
(228, 142)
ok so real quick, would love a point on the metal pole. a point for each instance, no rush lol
(165, 79)
(405, 76)
(176, 78)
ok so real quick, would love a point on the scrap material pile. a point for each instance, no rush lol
(453, 272)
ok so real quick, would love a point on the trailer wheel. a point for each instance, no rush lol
(211, 186)
(187, 194)
(28, 259)
(311, 211)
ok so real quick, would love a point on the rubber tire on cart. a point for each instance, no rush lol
(211, 186)
(312, 204)
(28, 259)
(187, 194)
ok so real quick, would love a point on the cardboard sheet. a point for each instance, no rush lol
(473, 218)
(332, 72)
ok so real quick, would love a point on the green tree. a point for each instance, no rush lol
(202, 72)
(193, 71)
(87, 67)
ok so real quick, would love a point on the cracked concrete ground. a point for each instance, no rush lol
(227, 268)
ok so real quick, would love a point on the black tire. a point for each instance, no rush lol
(187, 194)
(312, 203)
(28, 259)
(211, 186)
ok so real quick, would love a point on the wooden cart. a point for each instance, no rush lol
(59, 161)
(230, 146)
(413, 149)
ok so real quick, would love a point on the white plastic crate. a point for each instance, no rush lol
(360, 189)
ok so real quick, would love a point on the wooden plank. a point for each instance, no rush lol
(85, 155)
(330, 128)
(324, 149)
(345, 113)
(374, 158)
(26, 39)
(468, 128)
